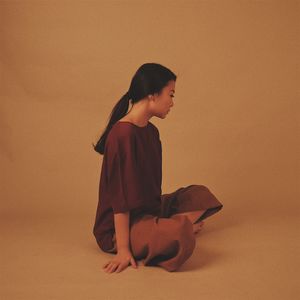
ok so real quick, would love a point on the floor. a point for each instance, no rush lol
(237, 256)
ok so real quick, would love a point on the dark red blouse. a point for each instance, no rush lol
(131, 177)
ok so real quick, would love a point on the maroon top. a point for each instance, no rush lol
(130, 178)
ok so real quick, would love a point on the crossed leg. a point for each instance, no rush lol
(193, 216)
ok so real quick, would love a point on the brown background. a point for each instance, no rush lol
(233, 128)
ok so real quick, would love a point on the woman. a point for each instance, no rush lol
(133, 219)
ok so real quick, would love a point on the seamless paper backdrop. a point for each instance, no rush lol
(65, 64)
(234, 126)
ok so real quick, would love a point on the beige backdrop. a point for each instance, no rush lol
(233, 128)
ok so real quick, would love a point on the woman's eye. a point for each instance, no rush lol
(172, 96)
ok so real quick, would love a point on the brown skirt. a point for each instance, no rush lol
(167, 240)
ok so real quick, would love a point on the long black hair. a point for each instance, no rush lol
(150, 78)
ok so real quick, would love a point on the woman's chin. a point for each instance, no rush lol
(162, 116)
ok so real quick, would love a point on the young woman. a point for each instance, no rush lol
(134, 220)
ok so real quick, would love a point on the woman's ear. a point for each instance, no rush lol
(152, 97)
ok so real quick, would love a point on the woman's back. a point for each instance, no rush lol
(131, 177)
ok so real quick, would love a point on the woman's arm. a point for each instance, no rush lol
(122, 231)
(124, 255)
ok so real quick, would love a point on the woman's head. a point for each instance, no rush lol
(151, 81)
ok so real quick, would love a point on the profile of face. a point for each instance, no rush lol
(163, 102)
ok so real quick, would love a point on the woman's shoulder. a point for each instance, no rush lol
(121, 126)
(124, 130)
(124, 135)
(120, 133)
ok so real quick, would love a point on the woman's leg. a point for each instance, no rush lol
(166, 242)
(192, 215)
(196, 202)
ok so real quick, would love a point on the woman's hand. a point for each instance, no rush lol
(120, 262)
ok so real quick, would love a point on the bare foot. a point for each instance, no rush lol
(197, 227)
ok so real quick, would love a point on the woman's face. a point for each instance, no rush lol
(162, 103)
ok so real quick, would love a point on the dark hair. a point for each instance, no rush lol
(150, 78)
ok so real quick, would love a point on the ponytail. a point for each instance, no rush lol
(119, 111)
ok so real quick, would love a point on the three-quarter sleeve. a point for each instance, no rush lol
(124, 189)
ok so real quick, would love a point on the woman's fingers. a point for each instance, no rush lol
(111, 267)
(105, 265)
(114, 267)
(133, 263)
(120, 268)
(107, 269)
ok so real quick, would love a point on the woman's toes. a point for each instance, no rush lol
(197, 227)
